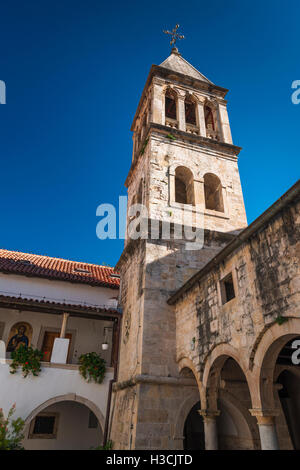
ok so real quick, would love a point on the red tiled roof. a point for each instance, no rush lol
(27, 264)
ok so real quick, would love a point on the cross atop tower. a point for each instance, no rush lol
(175, 35)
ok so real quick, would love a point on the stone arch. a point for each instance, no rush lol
(187, 369)
(264, 360)
(213, 193)
(181, 162)
(228, 391)
(68, 397)
(187, 363)
(212, 370)
(184, 186)
(218, 352)
(182, 413)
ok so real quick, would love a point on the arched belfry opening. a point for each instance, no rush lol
(210, 122)
(170, 104)
(190, 111)
(213, 193)
(184, 186)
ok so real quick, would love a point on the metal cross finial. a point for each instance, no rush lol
(175, 35)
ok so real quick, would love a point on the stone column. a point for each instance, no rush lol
(61, 345)
(267, 429)
(199, 193)
(2, 352)
(224, 122)
(64, 325)
(171, 186)
(201, 117)
(181, 111)
(210, 428)
(157, 102)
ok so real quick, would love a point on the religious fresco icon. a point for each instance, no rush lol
(20, 334)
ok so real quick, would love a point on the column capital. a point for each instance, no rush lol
(181, 94)
(209, 414)
(200, 99)
(265, 416)
(220, 100)
(158, 81)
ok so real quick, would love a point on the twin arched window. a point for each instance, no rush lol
(185, 194)
(213, 193)
(190, 113)
(171, 107)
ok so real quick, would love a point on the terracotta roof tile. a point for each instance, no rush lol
(27, 264)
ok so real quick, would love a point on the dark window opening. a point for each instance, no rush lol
(227, 289)
(209, 119)
(213, 193)
(170, 107)
(44, 425)
(184, 186)
(180, 191)
(190, 112)
(194, 430)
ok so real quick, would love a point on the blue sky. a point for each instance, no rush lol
(74, 72)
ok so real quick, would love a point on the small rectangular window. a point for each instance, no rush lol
(227, 289)
(44, 426)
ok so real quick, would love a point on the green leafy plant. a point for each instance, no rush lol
(144, 146)
(280, 320)
(11, 431)
(171, 137)
(92, 367)
(27, 358)
(107, 446)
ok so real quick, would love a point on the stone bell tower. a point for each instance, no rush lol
(183, 160)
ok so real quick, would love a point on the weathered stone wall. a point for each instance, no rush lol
(166, 155)
(150, 272)
(266, 279)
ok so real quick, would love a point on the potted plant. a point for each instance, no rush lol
(27, 358)
(92, 367)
